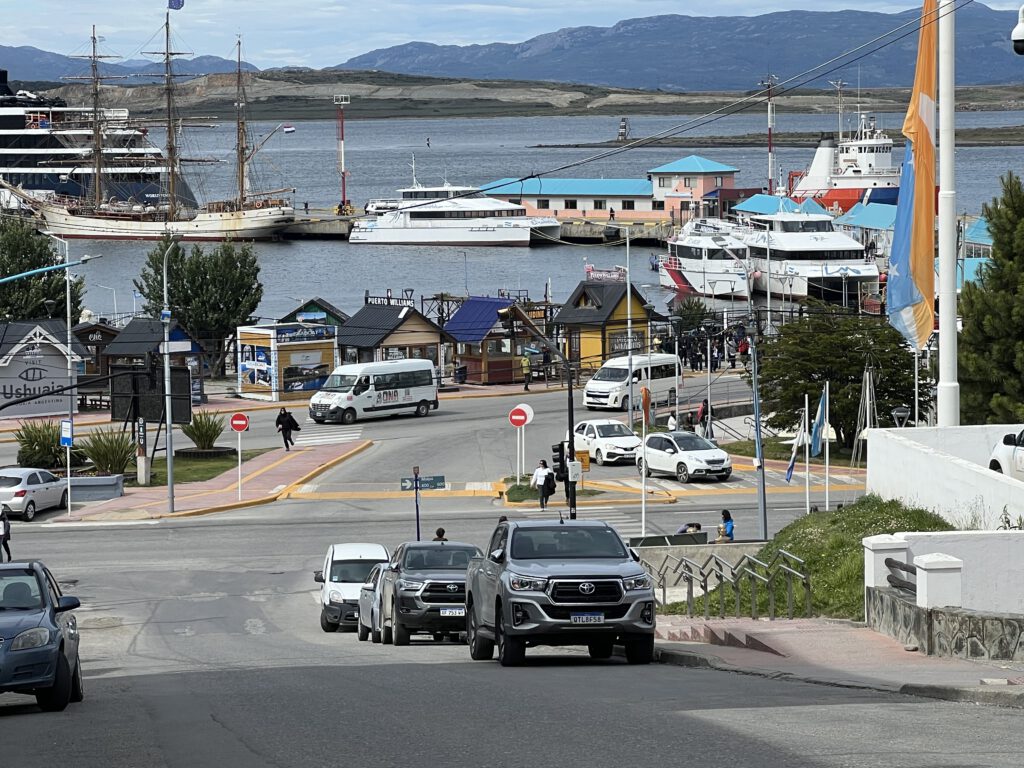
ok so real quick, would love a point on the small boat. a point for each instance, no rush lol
(286, 128)
(698, 262)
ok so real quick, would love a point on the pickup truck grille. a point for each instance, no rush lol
(438, 592)
(576, 591)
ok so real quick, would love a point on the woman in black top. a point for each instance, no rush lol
(286, 423)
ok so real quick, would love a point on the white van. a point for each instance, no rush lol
(345, 569)
(366, 390)
(609, 387)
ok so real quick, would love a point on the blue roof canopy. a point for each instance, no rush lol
(570, 187)
(869, 216)
(978, 233)
(475, 319)
(767, 204)
(694, 164)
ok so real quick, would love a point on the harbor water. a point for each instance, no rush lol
(379, 154)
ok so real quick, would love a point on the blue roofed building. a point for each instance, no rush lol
(580, 198)
(481, 347)
(695, 186)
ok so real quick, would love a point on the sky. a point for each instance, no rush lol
(324, 33)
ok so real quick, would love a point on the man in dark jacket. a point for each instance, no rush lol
(286, 424)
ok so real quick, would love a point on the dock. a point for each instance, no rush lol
(319, 228)
(640, 233)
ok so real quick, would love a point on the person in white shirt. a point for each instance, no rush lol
(671, 422)
(540, 481)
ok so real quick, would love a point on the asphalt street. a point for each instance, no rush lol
(201, 647)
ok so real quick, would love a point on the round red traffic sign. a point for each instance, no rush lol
(239, 422)
(518, 417)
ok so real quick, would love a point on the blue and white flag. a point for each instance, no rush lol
(797, 442)
(175, 5)
(818, 430)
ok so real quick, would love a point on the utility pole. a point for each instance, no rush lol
(768, 84)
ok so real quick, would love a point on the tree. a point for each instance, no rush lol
(829, 344)
(22, 249)
(210, 294)
(689, 313)
(991, 346)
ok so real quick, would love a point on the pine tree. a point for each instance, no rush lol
(991, 346)
(22, 249)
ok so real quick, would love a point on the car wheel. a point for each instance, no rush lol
(996, 468)
(624, 405)
(399, 634)
(639, 649)
(29, 512)
(599, 458)
(57, 696)
(77, 686)
(348, 416)
(362, 631)
(511, 650)
(374, 628)
(601, 649)
(326, 624)
(642, 469)
(480, 648)
(385, 630)
(64, 500)
(682, 473)
(423, 408)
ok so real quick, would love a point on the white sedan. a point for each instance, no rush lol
(683, 455)
(1008, 456)
(606, 440)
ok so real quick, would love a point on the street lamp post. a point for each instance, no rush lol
(114, 291)
(629, 318)
(165, 316)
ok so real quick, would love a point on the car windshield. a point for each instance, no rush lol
(439, 558)
(566, 542)
(19, 591)
(6, 481)
(339, 382)
(351, 571)
(687, 441)
(614, 430)
(611, 374)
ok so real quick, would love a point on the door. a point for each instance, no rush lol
(65, 620)
(387, 589)
(490, 576)
(34, 491)
(653, 456)
(366, 595)
(52, 488)
(580, 435)
(363, 394)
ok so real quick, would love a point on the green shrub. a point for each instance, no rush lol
(205, 429)
(39, 446)
(111, 450)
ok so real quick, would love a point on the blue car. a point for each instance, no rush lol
(38, 637)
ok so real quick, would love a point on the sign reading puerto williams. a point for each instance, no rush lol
(33, 361)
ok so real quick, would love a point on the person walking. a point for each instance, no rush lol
(730, 351)
(544, 481)
(5, 536)
(524, 365)
(286, 424)
(439, 535)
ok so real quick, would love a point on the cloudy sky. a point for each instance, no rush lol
(321, 33)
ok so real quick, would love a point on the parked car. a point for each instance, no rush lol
(683, 455)
(424, 590)
(369, 598)
(27, 491)
(606, 440)
(1008, 456)
(39, 645)
(345, 570)
(554, 582)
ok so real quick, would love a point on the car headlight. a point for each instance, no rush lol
(526, 583)
(408, 586)
(31, 638)
(335, 596)
(631, 583)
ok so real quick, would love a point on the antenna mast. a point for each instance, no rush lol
(838, 85)
(769, 85)
(340, 101)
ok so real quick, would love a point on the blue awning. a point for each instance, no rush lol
(978, 233)
(876, 216)
(768, 204)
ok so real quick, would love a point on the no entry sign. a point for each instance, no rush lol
(520, 416)
(239, 422)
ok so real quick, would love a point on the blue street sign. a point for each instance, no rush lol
(66, 434)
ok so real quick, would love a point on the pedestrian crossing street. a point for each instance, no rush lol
(313, 434)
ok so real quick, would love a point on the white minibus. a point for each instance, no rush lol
(367, 390)
(609, 387)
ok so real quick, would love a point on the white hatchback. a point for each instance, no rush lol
(1008, 456)
(683, 455)
(606, 440)
(27, 491)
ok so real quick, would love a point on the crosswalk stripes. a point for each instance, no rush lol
(325, 434)
(626, 524)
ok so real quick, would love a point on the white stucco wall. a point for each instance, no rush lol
(945, 470)
(993, 565)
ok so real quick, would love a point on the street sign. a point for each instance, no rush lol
(427, 483)
(583, 457)
(239, 422)
(575, 471)
(518, 417)
(66, 436)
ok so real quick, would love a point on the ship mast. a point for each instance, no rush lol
(240, 139)
(172, 141)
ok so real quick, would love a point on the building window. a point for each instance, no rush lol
(543, 202)
(664, 182)
(687, 181)
(600, 205)
(657, 205)
(629, 205)
(718, 181)
(570, 205)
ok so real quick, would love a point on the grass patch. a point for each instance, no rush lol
(192, 470)
(525, 493)
(776, 448)
(830, 545)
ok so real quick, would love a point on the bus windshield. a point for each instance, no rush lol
(611, 374)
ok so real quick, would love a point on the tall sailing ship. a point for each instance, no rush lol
(173, 210)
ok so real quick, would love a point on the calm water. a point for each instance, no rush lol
(378, 155)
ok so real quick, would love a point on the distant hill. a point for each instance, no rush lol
(689, 53)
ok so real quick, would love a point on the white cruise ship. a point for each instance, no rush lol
(450, 215)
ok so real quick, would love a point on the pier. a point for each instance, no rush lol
(328, 227)
(646, 233)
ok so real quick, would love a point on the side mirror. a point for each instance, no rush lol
(1009, 440)
(498, 555)
(67, 603)
(318, 577)
(634, 554)
(670, 450)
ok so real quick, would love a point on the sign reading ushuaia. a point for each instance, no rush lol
(33, 361)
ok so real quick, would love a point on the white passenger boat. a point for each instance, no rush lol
(698, 262)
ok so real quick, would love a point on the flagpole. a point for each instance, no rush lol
(807, 454)
(825, 429)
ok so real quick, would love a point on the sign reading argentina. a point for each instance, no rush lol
(33, 361)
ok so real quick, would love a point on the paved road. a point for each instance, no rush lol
(202, 648)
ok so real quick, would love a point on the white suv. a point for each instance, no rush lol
(606, 440)
(1008, 456)
(684, 455)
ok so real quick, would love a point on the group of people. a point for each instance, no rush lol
(726, 529)
(694, 352)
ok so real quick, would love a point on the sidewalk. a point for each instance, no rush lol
(834, 653)
(271, 476)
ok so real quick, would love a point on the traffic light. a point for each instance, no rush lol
(558, 462)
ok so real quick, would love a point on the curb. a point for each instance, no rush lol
(966, 694)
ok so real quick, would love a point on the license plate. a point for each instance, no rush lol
(586, 618)
(453, 611)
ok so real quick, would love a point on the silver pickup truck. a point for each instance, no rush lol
(558, 583)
